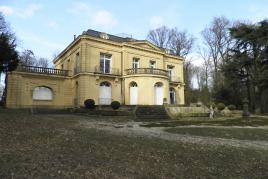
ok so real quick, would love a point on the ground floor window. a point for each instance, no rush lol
(133, 91)
(42, 93)
(105, 93)
(158, 93)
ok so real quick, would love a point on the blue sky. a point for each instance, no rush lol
(47, 27)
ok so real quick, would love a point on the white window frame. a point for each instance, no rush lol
(105, 57)
(170, 71)
(135, 63)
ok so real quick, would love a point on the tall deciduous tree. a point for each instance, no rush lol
(160, 37)
(28, 58)
(181, 42)
(43, 62)
(217, 41)
(206, 66)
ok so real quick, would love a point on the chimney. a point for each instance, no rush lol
(74, 37)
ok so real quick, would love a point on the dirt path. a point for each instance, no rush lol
(133, 129)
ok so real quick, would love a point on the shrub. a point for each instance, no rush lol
(231, 107)
(115, 105)
(220, 106)
(198, 104)
(89, 103)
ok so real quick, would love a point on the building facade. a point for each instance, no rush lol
(102, 67)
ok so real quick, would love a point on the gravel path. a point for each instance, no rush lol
(133, 129)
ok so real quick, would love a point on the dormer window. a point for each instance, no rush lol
(104, 36)
(167, 51)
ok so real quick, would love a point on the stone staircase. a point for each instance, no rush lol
(151, 113)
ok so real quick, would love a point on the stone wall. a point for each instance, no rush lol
(176, 112)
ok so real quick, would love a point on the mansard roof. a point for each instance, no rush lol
(111, 37)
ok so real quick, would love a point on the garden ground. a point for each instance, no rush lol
(74, 146)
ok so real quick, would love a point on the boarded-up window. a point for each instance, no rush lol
(42, 93)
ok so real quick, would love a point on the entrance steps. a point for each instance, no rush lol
(151, 113)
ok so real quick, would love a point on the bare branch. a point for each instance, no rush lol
(160, 36)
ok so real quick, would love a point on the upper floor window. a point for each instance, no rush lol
(62, 66)
(77, 63)
(135, 63)
(105, 63)
(152, 64)
(77, 56)
(170, 70)
(42, 93)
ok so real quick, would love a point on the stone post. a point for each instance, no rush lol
(245, 108)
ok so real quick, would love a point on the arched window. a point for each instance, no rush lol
(105, 83)
(158, 93)
(133, 84)
(42, 93)
(171, 89)
(105, 93)
(133, 92)
(158, 84)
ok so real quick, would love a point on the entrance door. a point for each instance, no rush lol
(158, 91)
(133, 91)
(105, 93)
(172, 96)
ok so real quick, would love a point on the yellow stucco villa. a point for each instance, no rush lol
(102, 67)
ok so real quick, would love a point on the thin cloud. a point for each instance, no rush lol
(97, 17)
(257, 12)
(104, 18)
(43, 42)
(156, 22)
(53, 24)
(22, 12)
(29, 11)
(6, 10)
(79, 7)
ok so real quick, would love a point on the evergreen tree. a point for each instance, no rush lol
(245, 70)
(8, 53)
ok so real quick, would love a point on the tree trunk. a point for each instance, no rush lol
(4, 96)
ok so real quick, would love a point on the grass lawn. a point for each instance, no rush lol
(56, 146)
(228, 133)
(252, 121)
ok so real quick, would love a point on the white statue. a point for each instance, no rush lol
(211, 112)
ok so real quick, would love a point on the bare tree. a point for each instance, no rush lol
(181, 42)
(55, 54)
(188, 73)
(206, 65)
(27, 58)
(43, 62)
(217, 41)
(160, 37)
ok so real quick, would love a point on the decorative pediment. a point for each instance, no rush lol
(145, 44)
